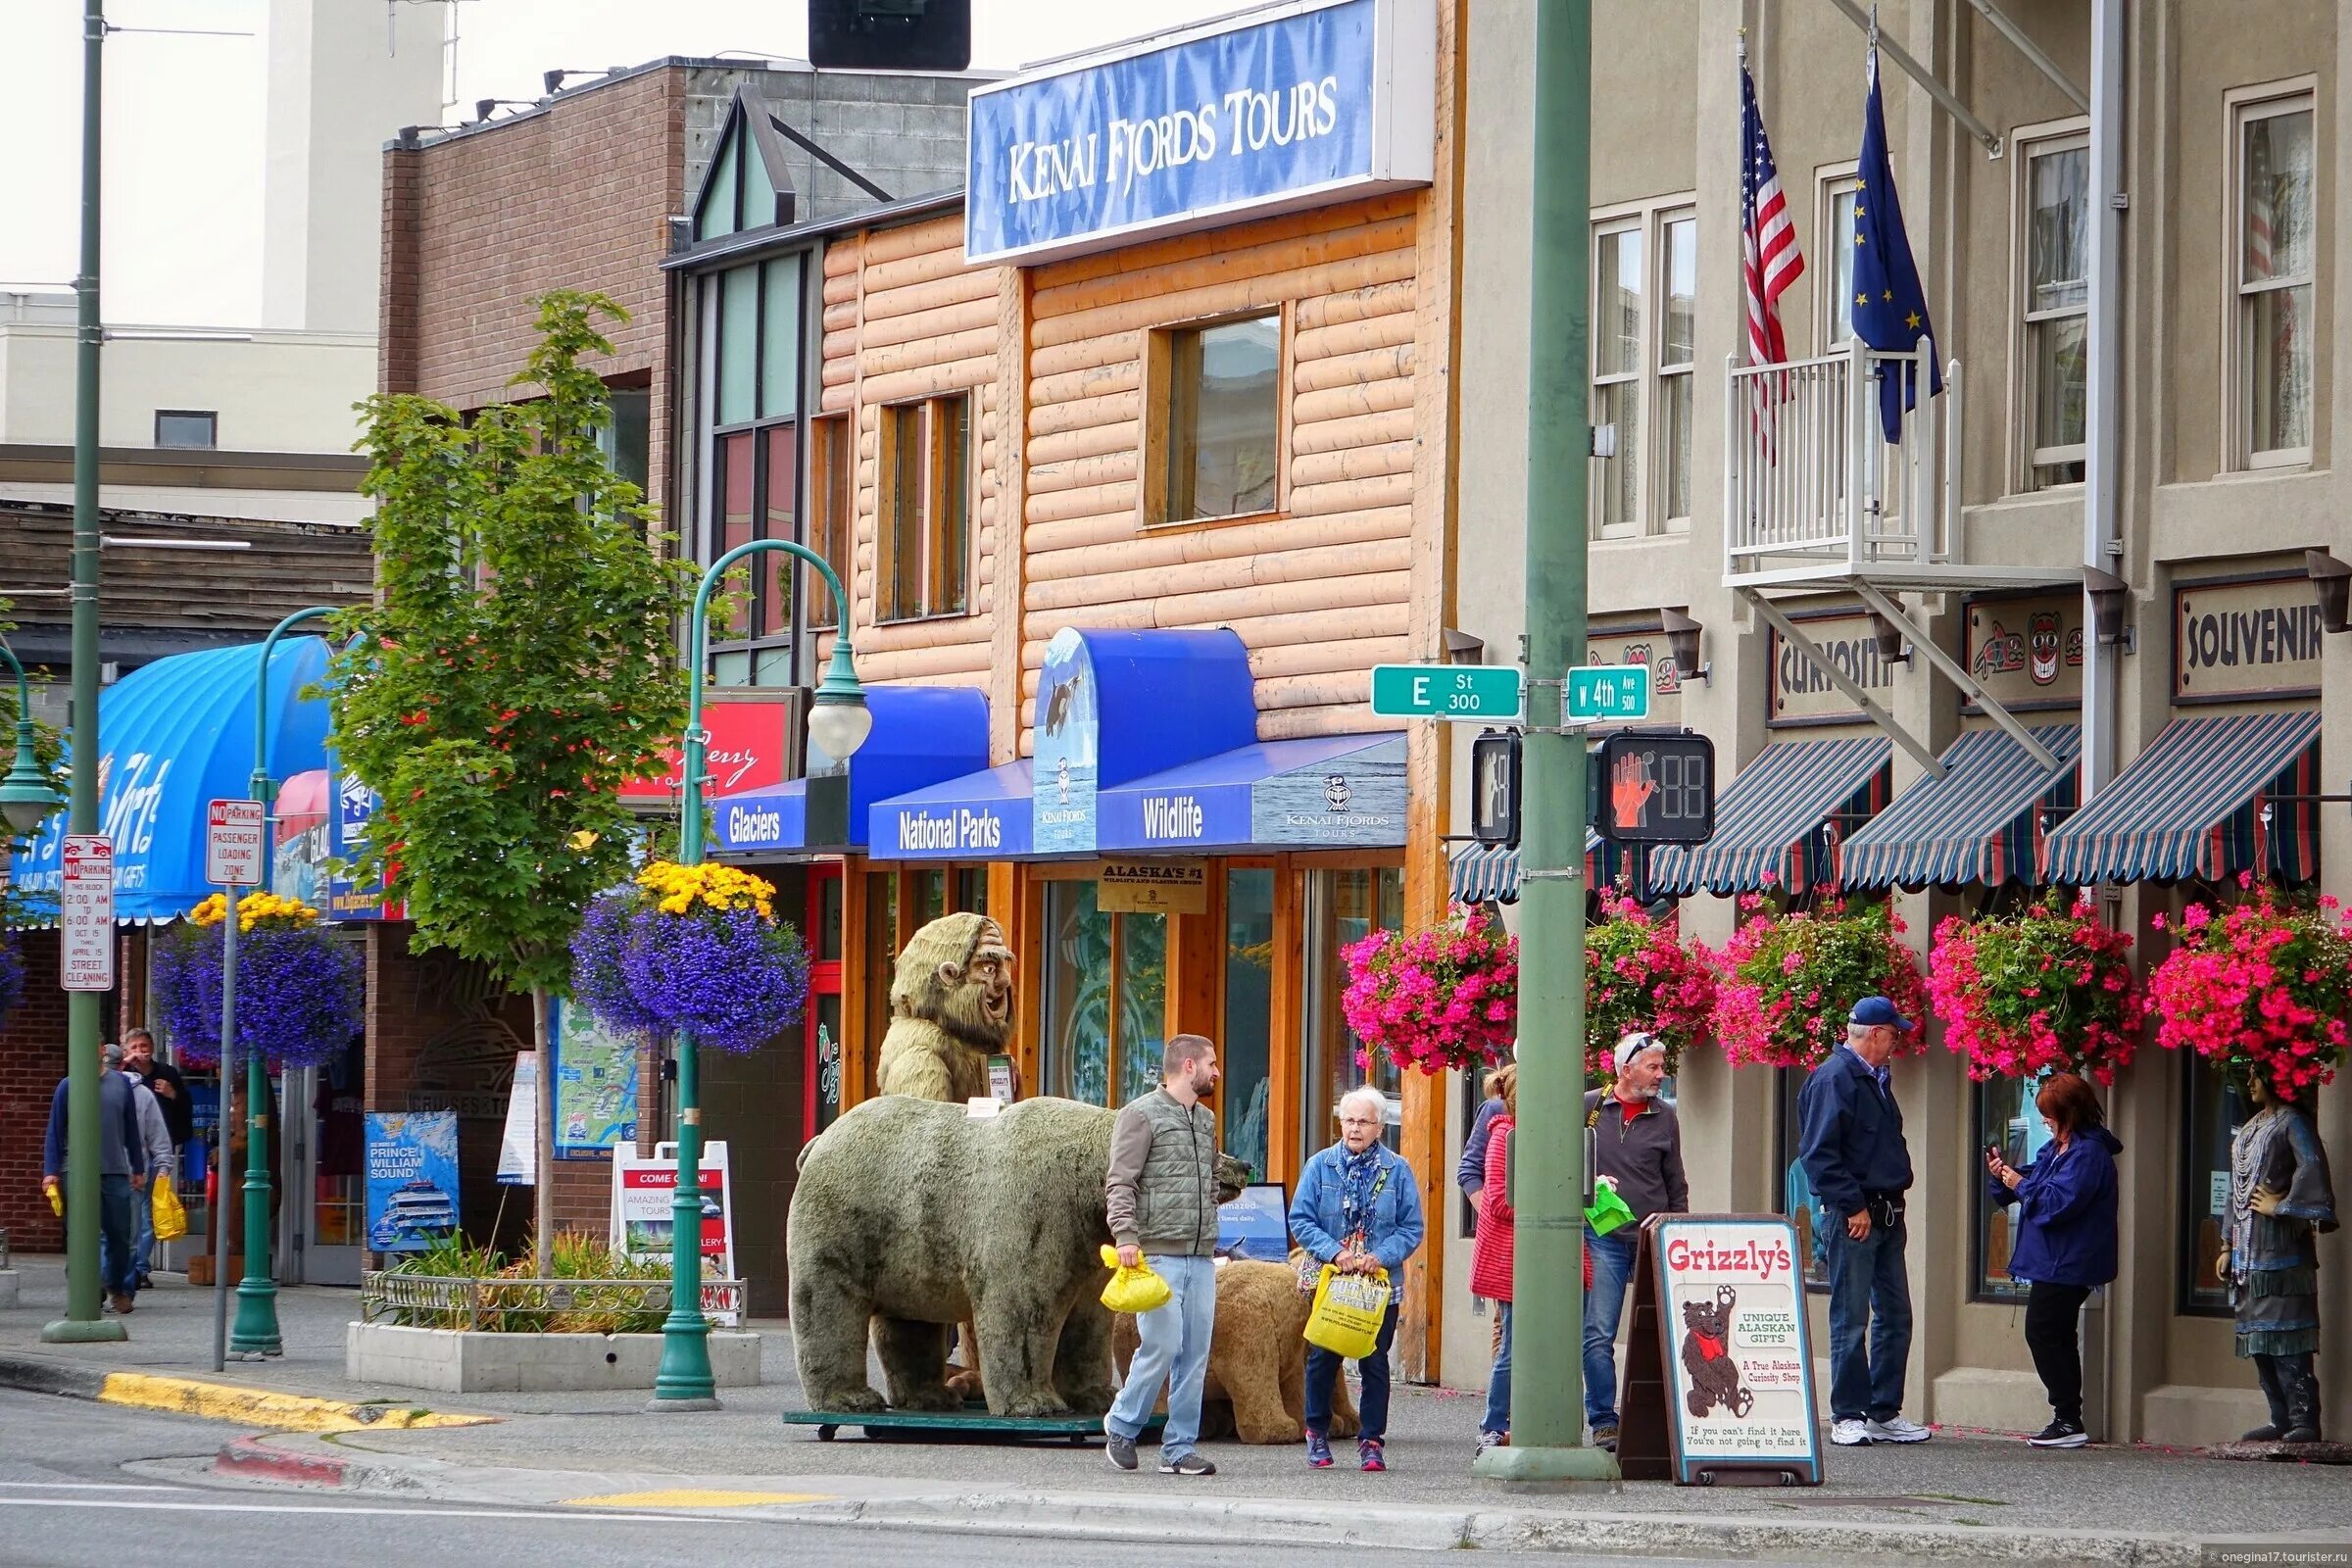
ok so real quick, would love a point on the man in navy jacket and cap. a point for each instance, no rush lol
(1850, 1142)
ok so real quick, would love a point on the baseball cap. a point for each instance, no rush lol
(1876, 1010)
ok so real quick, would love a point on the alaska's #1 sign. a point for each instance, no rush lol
(1318, 101)
(1732, 1318)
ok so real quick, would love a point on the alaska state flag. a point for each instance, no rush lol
(1891, 310)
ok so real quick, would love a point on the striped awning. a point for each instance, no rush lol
(1981, 822)
(2193, 806)
(1782, 819)
(1489, 874)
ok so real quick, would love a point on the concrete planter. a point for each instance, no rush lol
(464, 1361)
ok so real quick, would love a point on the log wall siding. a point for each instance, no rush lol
(1320, 590)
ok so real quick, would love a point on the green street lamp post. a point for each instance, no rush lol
(26, 797)
(256, 1331)
(839, 722)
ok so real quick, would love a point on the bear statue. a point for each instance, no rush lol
(1708, 1356)
(951, 1008)
(1257, 1386)
(915, 1215)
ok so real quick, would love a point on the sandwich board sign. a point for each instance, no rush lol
(643, 1191)
(1719, 1374)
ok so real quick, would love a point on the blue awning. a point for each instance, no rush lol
(173, 736)
(1489, 874)
(1769, 822)
(1328, 791)
(921, 735)
(2191, 804)
(979, 817)
(1977, 823)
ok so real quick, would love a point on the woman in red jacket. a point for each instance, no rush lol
(1490, 1257)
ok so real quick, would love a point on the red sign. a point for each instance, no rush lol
(750, 749)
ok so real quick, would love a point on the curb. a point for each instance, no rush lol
(252, 1459)
(217, 1402)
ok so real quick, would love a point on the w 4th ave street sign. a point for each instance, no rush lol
(1609, 693)
(1479, 694)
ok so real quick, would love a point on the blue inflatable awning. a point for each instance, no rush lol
(1328, 791)
(173, 736)
(921, 735)
(980, 816)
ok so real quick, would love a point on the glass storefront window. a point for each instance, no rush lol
(2215, 1113)
(931, 897)
(881, 961)
(1139, 1002)
(1106, 989)
(2005, 1115)
(1247, 1044)
(1342, 908)
(1795, 1197)
(972, 889)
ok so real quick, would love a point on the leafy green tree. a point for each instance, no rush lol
(518, 667)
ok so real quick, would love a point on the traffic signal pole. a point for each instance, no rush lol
(1548, 1422)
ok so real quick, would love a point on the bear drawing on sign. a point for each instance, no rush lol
(1708, 1356)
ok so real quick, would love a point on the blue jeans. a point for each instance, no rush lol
(1323, 1372)
(116, 1274)
(1174, 1345)
(1868, 1289)
(1604, 1304)
(142, 1226)
(1498, 1381)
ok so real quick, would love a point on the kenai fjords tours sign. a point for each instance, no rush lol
(1282, 108)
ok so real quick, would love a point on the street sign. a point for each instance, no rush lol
(86, 910)
(1608, 694)
(1494, 787)
(235, 835)
(1654, 788)
(1481, 694)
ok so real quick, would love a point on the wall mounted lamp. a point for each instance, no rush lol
(1682, 642)
(2108, 595)
(1889, 638)
(1463, 649)
(2332, 583)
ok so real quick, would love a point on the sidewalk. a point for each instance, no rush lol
(1965, 1496)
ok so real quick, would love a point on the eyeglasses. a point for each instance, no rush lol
(1360, 1121)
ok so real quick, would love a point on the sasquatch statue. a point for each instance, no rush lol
(951, 1008)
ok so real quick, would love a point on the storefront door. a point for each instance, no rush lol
(823, 1028)
(324, 1213)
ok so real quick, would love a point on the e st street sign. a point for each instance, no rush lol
(1476, 694)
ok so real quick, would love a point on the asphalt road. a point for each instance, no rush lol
(66, 1503)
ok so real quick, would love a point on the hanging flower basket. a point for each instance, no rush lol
(2259, 990)
(299, 991)
(1447, 997)
(1638, 975)
(1788, 979)
(12, 975)
(2044, 988)
(694, 948)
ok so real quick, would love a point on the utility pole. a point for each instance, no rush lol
(1548, 1420)
(82, 1322)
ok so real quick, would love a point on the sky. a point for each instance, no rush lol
(182, 129)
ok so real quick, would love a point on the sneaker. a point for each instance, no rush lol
(1895, 1429)
(1191, 1464)
(2268, 1432)
(1318, 1450)
(123, 1303)
(1120, 1452)
(1491, 1440)
(2060, 1434)
(1851, 1431)
(1606, 1438)
(1371, 1454)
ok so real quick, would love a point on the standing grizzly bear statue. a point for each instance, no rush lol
(914, 1215)
(1256, 1385)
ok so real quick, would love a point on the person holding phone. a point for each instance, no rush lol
(2064, 1243)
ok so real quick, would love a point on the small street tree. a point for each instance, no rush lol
(518, 667)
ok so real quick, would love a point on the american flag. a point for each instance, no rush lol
(1769, 258)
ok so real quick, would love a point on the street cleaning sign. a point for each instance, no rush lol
(234, 833)
(1469, 694)
(86, 910)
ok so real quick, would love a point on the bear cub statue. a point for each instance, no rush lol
(1257, 1386)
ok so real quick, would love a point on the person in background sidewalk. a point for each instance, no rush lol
(161, 1166)
(1359, 1209)
(2065, 1247)
(2280, 1200)
(1470, 1175)
(121, 1157)
(1850, 1138)
(1162, 1186)
(161, 1087)
(1490, 1254)
(1637, 1144)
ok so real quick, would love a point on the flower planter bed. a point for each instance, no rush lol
(510, 1352)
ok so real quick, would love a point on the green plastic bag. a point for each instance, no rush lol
(1608, 1211)
(1133, 1289)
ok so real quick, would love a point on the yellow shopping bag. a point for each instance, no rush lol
(171, 1219)
(1133, 1289)
(1347, 1312)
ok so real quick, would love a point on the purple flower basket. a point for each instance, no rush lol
(300, 995)
(11, 976)
(728, 977)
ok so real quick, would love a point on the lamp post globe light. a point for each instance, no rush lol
(839, 722)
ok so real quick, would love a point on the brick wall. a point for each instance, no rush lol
(32, 1058)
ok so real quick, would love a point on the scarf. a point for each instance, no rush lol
(1361, 1181)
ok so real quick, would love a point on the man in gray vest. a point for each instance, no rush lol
(1162, 1192)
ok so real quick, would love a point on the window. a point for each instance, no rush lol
(926, 507)
(1644, 288)
(1795, 1198)
(2215, 1113)
(1106, 986)
(197, 429)
(1835, 244)
(1342, 908)
(1222, 416)
(1244, 1049)
(830, 467)
(2056, 301)
(2005, 1116)
(751, 404)
(738, 194)
(2273, 269)
(626, 434)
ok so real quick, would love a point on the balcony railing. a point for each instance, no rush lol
(1812, 490)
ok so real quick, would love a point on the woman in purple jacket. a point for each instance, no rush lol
(2065, 1247)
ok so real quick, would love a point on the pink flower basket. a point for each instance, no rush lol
(1787, 980)
(1638, 975)
(2259, 990)
(1447, 997)
(2044, 988)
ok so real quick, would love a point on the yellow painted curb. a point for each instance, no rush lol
(258, 1407)
(694, 1497)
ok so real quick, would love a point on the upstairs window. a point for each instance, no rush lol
(192, 428)
(926, 508)
(1644, 346)
(2056, 317)
(2272, 268)
(831, 463)
(1220, 420)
